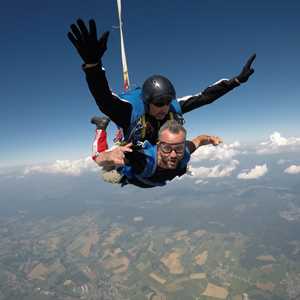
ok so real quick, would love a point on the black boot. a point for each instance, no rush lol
(100, 122)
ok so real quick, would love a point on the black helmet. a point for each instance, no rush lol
(158, 90)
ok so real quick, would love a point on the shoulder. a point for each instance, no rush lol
(149, 150)
(186, 158)
(142, 160)
(133, 97)
(175, 106)
(150, 153)
(191, 146)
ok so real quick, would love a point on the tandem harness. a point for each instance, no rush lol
(137, 130)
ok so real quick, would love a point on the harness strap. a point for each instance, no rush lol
(143, 126)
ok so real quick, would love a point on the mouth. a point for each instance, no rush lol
(173, 162)
(161, 116)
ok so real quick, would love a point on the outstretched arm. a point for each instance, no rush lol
(110, 104)
(217, 90)
(114, 157)
(91, 50)
(122, 155)
(202, 140)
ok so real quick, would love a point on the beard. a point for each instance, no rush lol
(172, 163)
(160, 116)
(169, 163)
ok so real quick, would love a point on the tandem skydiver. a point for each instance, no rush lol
(153, 165)
(142, 111)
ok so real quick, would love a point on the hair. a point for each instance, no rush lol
(173, 126)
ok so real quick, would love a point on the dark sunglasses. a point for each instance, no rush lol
(162, 101)
(160, 104)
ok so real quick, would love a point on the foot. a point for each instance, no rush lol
(100, 122)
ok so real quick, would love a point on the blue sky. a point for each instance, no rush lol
(45, 103)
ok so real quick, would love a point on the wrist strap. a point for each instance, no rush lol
(236, 80)
(88, 66)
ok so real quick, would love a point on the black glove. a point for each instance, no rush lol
(247, 70)
(88, 46)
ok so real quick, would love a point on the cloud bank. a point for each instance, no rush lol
(221, 152)
(66, 167)
(222, 159)
(256, 172)
(277, 144)
(220, 170)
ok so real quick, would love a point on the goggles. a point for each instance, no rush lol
(168, 148)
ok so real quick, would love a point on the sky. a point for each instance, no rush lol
(46, 105)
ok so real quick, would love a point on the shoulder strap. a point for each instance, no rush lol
(143, 127)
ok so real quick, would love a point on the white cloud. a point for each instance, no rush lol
(220, 170)
(67, 167)
(277, 143)
(256, 172)
(221, 152)
(293, 169)
(278, 140)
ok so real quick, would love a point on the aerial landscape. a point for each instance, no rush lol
(214, 246)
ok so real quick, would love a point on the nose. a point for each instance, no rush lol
(173, 153)
(164, 109)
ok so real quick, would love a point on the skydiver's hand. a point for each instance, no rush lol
(215, 140)
(247, 71)
(118, 154)
(86, 42)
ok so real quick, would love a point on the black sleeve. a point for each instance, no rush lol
(208, 96)
(111, 105)
(137, 160)
(191, 146)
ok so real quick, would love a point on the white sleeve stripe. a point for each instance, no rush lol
(219, 81)
(121, 99)
(198, 94)
(187, 97)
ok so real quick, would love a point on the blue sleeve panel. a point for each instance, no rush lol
(134, 98)
(175, 107)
